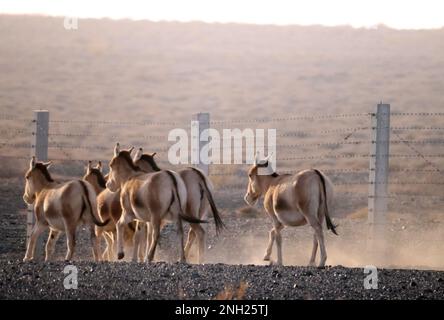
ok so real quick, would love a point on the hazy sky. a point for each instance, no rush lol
(401, 14)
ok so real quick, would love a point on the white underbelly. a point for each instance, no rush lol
(290, 218)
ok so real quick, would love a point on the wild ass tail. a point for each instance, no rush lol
(176, 194)
(330, 225)
(205, 187)
(87, 201)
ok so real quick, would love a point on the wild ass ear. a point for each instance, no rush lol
(47, 164)
(32, 163)
(138, 155)
(99, 166)
(153, 154)
(130, 150)
(89, 166)
(117, 149)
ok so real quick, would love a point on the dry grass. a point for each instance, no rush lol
(232, 292)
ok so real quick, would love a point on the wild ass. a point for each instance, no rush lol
(108, 207)
(61, 207)
(292, 200)
(199, 199)
(148, 197)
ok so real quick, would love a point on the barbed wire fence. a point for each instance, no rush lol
(338, 144)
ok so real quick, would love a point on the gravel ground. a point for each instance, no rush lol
(181, 281)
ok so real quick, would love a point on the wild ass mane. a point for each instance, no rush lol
(127, 157)
(100, 179)
(151, 161)
(42, 168)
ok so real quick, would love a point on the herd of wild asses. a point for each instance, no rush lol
(129, 206)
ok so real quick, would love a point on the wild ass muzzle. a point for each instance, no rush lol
(292, 200)
(61, 207)
(108, 207)
(199, 200)
(149, 197)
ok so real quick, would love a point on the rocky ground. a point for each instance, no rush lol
(181, 281)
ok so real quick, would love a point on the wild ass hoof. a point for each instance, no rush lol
(274, 263)
(267, 257)
(26, 259)
(312, 264)
(120, 255)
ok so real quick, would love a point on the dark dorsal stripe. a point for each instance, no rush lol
(42, 168)
(100, 179)
(151, 162)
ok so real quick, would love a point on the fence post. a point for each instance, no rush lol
(202, 120)
(379, 171)
(39, 149)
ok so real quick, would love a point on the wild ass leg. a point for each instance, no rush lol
(139, 238)
(111, 243)
(143, 243)
(155, 226)
(70, 242)
(94, 243)
(270, 245)
(278, 237)
(136, 241)
(319, 234)
(199, 231)
(120, 227)
(99, 234)
(50, 244)
(36, 232)
(314, 251)
(272, 237)
(180, 236)
(149, 236)
(203, 230)
(189, 243)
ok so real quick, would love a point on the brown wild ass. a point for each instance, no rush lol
(148, 197)
(61, 207)
(292, 200)
(199, 199)
(108, 207)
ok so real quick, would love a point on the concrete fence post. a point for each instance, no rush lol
(379, 171)
(39, 149)
(199, 123)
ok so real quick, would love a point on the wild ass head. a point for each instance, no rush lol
(121, 168)
(145, 161)
(256, 187)
(36, 178)
(94, 176)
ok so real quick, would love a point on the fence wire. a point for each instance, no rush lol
(68, 145)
